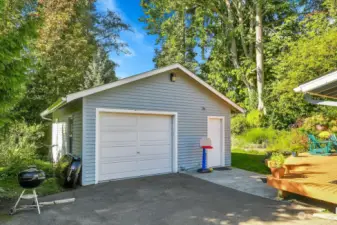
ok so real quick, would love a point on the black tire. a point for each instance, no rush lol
(11, 211)
(74, 181)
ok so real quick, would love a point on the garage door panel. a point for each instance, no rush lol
(119, 160)
(118, 151)
(149, 164)
(117, 167)
(134, 145)
(118, 136)
(130, 174)
(118, 120)
(155, 150)
(155, 123)
(154, 135)
(107, 144)
(117, 129)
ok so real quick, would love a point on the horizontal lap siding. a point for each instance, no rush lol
(77, 133)
(62, 115)
(158, 93)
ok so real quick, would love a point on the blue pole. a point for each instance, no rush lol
(204, 156)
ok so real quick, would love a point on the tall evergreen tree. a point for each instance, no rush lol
(71, 33)
(17, 29)
(100, 71)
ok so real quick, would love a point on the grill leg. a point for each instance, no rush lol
(36, 201)
(17, 202)
(13, 210)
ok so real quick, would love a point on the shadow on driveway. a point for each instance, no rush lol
(165, 199)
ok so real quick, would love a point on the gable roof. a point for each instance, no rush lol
(77, 95)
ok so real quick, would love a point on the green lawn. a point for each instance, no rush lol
(249, 160)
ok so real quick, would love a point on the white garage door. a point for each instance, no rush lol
(132, 145)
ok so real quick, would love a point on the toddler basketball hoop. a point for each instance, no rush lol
(205, 144)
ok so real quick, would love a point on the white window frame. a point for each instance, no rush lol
(222, 150)
(143, 112)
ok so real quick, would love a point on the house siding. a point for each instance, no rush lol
(60, 130)
(77, 133)
(189, 99)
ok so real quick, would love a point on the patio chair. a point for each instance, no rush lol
(317, 147)
(333, 139)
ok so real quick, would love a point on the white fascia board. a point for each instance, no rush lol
(319, 82)
(59, 103)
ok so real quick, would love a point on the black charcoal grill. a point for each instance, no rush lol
(29, 179)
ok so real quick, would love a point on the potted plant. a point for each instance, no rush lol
(276, 163)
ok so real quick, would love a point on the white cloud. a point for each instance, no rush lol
(107, 4)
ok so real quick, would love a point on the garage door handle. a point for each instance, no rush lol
(138, 152)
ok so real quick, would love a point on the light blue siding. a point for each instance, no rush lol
(61, 134)
(189, 99)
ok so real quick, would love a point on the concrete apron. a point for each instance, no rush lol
(241, 180)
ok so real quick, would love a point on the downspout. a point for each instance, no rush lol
(45, 118)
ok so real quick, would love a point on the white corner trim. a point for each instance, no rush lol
(84, 100)
(94, 90)
(175, 135)
(222, 151)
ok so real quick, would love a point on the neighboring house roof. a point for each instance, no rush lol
(325, 86)
(77, 95)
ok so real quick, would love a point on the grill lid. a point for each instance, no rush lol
(31, 174)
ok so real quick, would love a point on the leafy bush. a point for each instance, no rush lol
(239, 124)
(18, 144)
(272, 140)
(254, 118)
(260, 135)
(293, 140)
(310, 123)
(282, 142)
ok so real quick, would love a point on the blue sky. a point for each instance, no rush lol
(140, 44)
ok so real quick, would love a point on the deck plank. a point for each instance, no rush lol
(310, 176)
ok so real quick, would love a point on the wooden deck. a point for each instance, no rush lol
(310, 176)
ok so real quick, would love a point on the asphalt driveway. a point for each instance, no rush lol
(166, 199)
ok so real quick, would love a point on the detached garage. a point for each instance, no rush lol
(142, 125)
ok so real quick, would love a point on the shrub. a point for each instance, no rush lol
(292, 140)
(18, 144)
(309, 124)
(259, 135)
(239, 124)
(299, 141)
(254, 118)
(282, 142)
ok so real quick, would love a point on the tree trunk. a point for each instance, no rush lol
(234, 51)
(259, 57)
(239, 9)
